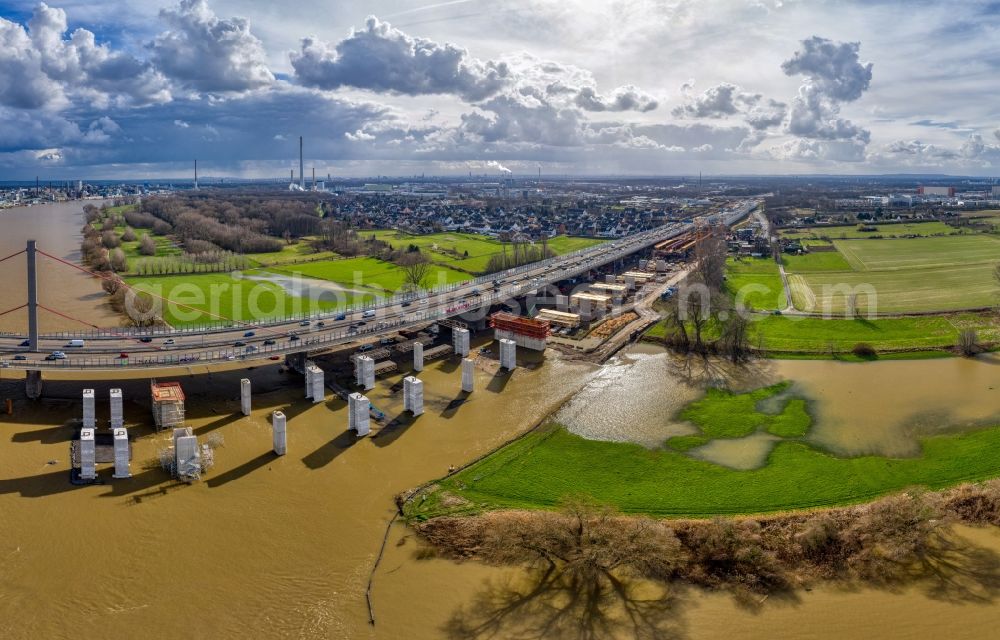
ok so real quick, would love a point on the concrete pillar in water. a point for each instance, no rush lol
(279, 433)
(89, 409)
(630, 282)
(508, 354)
(122, 469)
(610, 278)
(314, 384)
(413, 395)
(364, 372)
(117, 411)
(358, 417)
(245, 396)
(468, 374)
(88, 454)
(461, 341)
(418, 356)
(187, 457)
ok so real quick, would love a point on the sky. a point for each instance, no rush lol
(139, 89)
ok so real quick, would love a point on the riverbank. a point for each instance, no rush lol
(822, 435)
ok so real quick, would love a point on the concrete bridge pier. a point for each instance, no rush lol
(358, 414)
(468, 374)
(418, 356)
(279, 433)
(413, 395)
(88, 454)
(364, 373)
(314, 384)
(460, 341)
(245, 396)
(122, 465)
(296, 361)
(508, 354)
(33, 384)
(89, 409)
(117, 412)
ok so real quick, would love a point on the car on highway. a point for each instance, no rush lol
(249, 334)
(366, 347)
(169, 342)
(26, 343)
(304, 323)
(341, 316)
(320, 324)
(123, 355)
(239, 343)
(406, 304)
(368, 314)
(20, 357)
(293, 338)
(56, 355)
(251, 349)
(269, 342)
(145, 339)
(275, 358)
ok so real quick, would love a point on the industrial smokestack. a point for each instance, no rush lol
(302, 173)
(314, 178)
(196, 174)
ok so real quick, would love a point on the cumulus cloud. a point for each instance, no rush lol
(626, 98)
(382, 58)
(833, 68)
(726, 99)
(40, 66)
(833, 74)
(208, 54)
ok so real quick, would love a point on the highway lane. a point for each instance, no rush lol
(324, 331)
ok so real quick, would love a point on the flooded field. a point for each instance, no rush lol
(56, 227)
(873, 408)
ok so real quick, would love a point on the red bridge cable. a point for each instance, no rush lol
(13, 255)
(180, 304)
(63, 315)
(13, 310)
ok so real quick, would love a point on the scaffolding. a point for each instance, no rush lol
(530, 333)
(168, 404)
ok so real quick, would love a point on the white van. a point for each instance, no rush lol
(75, 343)
(368, 314)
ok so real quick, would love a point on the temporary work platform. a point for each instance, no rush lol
(168, 404)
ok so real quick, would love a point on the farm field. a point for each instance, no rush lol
(756, 282)
(898, 276)
(820, 336)
(900, 230)
(816, 261)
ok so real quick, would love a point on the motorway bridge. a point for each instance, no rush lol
(272, 339)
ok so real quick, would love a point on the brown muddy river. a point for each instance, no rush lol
(56, 227)
(282, 547)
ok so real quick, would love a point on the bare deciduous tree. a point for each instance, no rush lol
(416, 271)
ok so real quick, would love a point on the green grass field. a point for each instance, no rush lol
(756, 282)
(900, 230)
(816, 261)
(291, 253)
(818, 335)
(899, 276)
(450, 249)
(368, 272)
(208, 298)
